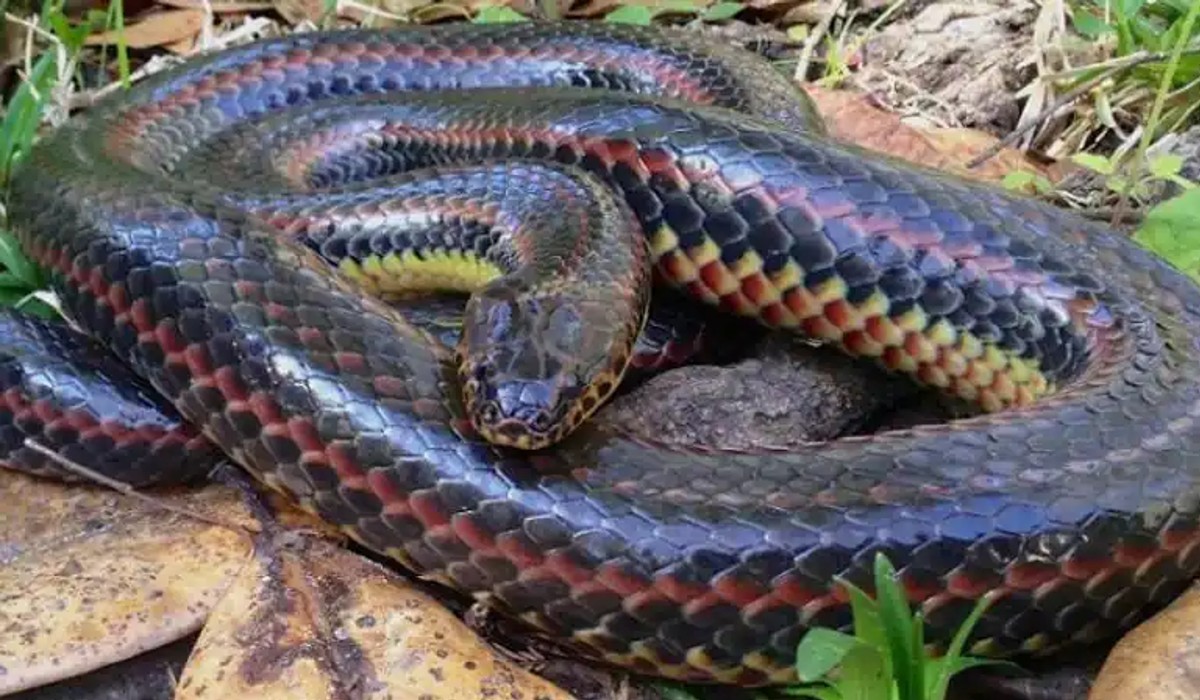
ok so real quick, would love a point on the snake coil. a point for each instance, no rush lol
(191, 226)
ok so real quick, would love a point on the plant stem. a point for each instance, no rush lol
(1160, 98)
(1164, 85)
(1134, 59)
(810, 44)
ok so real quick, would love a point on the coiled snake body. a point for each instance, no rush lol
(190, 224)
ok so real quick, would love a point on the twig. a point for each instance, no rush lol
(87, 98)
(119, 486)
(220, 7)
(1112, 215)
(369, 10)
(1134, 59)
(810, 44)
(1065, 100)
(920, 93)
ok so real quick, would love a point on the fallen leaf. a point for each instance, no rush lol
(299, 11)
(852, 117)
(91, 577)
(441, 11)
(1157, 660)
(183, 47)
(158, 29)
(311, 620)
(804, 13)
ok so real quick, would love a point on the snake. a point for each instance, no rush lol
(227, 237)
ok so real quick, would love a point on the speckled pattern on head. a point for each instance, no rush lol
(1074, 497)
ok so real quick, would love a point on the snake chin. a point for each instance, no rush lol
(521, 414)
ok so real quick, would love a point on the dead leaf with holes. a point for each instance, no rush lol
(91, 577)
(158, 29)
(853, 117)
(308, 619)
(1158, 660)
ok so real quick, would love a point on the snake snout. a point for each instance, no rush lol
(525, 414)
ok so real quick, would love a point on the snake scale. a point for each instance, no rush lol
(193, 226)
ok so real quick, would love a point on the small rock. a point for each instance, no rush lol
(1159, 659)
(789, 394)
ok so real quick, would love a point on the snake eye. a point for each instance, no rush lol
(490, 413)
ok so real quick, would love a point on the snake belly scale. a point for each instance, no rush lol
(193, 226)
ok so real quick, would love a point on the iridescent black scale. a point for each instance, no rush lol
(1079, 511)
(1022, 318)
(67, 392)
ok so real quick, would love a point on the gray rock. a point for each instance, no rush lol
(790, 393)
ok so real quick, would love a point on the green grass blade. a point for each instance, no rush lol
(865, 611)
(14, 262)
(815, 692)
(897, 627)
(118, 21)
(24, 113)
(496, 14)
(820, 651)
(11, 281)
(953, 656)
(919, 659)
(34, 307)
(864, 675)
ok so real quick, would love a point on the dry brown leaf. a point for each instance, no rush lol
(377, 13)
(184, 47)
(298, 11)
(852, 117)
(91, 577)
(441, 11)
(1157, 660)
(312, 620)
(158, 29)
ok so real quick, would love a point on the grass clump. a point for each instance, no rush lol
(886, 657)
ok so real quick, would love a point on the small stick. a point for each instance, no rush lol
(119, 486)
(810, 44)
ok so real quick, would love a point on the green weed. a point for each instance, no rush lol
(885, 658)
(1155, 80)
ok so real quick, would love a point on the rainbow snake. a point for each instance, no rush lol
(195, 225)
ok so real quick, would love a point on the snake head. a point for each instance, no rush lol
(535, 364)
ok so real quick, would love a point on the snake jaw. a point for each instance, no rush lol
(522, 414)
